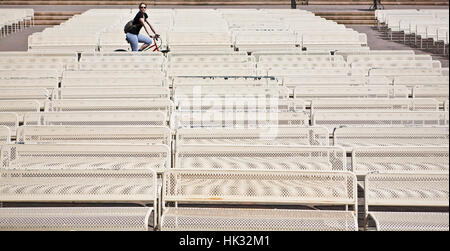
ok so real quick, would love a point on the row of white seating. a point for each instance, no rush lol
(193, 181)
(13, 20)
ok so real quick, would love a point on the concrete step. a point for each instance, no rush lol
(48, 22)
(357, 22)
(335, 18)
(62, 18)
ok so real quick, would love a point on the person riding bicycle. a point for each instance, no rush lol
(133, 37)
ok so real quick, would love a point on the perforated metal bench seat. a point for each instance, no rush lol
(214, 119)
(85, 156)
(126, 186)
(235, 219)
(422, 190)
(254, 157)
(400, 159)
(240, 104)
(350, 137)
(75, 219)
(220, 82)
(253, 136)
(410, 221)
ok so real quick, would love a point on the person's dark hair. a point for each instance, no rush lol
(142, 4)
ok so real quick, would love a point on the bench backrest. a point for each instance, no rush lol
(48, 83)
(333, 120)
(220, 82)
(350, 92)
(240, 104)
(10, 120)
(230, 92)
(19, 106)
(94, 135)
(216, 119)
(360, 105)
(111, 93)
(29, 74)
(400, 159)
(79, 105)
(314, 136)
(406, 190)
(5, 135)
(262, 187)
(126, 118)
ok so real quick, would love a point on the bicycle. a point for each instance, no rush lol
(156, 45)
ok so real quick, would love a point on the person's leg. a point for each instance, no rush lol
(133, 40)
(144, 39)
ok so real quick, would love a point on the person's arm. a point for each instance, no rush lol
(148, 27)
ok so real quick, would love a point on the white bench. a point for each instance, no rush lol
(230, 92)
(309, 93)
(124, 118)
(240, 104)
(412, 81)
(310, 136)
(94, 135)
(38, 58)
(38, 94)
(220, 82)
(48, 83)
(209, 58)
(29, 74)
(301, 65)
(373, 105)
(212, 71)
(414, 190)
(79, 186)
(277, 72)
(79, 105)
(153, 81)
(400, 159)
(260, 157)
(10, 120)
(265, 188)
(332, 120)
(20, 107)
(392, 73)
(383, 58)
(75, 219)
(111, 93)
(214, 119)
(398, 64)
(351, 137)
(85, 157)
(292, 82)
(5, 135)
(439, 93)
(112, 66)
(143, 58)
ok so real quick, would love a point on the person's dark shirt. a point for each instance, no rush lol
(137, 24)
